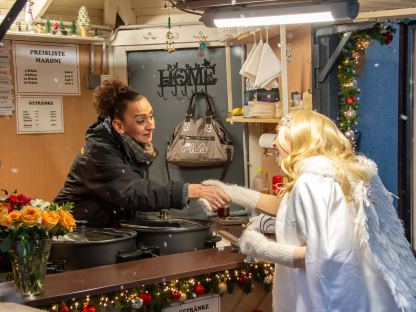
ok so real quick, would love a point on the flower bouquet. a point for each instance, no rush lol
(26, 229)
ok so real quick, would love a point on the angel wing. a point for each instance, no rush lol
(382, 231)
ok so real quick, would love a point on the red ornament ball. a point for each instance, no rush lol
(257, 310)
(388, 37)
(91, 308)
(243, 279)
(199, 289)
(146, 297)
(350, 100)
(63, 308)
(88, 308)
(176, 294)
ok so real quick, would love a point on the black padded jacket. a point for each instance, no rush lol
(106, 184)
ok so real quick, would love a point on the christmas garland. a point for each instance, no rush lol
(153, 298)
(348, 95)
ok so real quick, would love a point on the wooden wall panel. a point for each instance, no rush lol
(299, 67)
(37, 164)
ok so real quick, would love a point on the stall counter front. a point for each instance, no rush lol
(112, 278)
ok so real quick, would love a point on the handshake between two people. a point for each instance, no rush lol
(252, 242)
(248, 199)
(211, 199)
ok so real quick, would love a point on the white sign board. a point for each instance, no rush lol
(205, 304)
(6, 83)
(39, 114)
(46, 68)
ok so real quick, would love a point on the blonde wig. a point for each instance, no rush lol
(309, 134)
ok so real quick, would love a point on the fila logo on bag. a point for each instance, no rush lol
(194, 148)
(186, 126)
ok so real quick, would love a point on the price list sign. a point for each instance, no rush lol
(46, 69)
(39, 114)
(6, 83)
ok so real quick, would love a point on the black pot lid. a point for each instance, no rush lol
(85, 234)
(165, 225)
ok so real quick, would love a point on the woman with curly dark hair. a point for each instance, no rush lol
(108, 180)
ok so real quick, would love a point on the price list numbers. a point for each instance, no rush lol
(30, 77)
(36, 118)
(53, 118)
(69, 78)
(27, 119)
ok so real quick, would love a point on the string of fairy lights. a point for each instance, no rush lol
(352, 56)
(161, 295)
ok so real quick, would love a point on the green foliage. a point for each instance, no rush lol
(161, 293)
(48, 26)
(405, 20)
(348, 71)
(6, 244)
(73, 28)
(6, 192)
(69, 206)
(61, 24)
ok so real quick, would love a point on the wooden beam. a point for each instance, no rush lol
(334, 57)
(283, 57)
(110, 13)
(125, 12)
(398, 13)
(39, 7)
(229, 78)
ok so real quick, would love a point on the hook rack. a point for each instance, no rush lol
(162, 95)
(194, 76)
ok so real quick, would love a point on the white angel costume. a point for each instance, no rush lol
(357, 257)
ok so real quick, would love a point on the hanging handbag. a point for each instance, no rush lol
(200, 142)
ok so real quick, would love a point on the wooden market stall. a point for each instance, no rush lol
(121, 34)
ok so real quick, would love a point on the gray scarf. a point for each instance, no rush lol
(142, 153)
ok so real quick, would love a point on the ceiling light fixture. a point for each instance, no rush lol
(242, 16)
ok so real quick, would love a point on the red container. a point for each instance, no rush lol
(277, 183)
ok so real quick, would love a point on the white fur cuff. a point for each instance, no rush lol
(257, 245)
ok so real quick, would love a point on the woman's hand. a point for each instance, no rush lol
(212, 194)
(239, 195)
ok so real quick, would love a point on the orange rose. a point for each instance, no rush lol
(31, 215)
(4, 211)
(12, 218)
(66, 220)
(50, 219)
